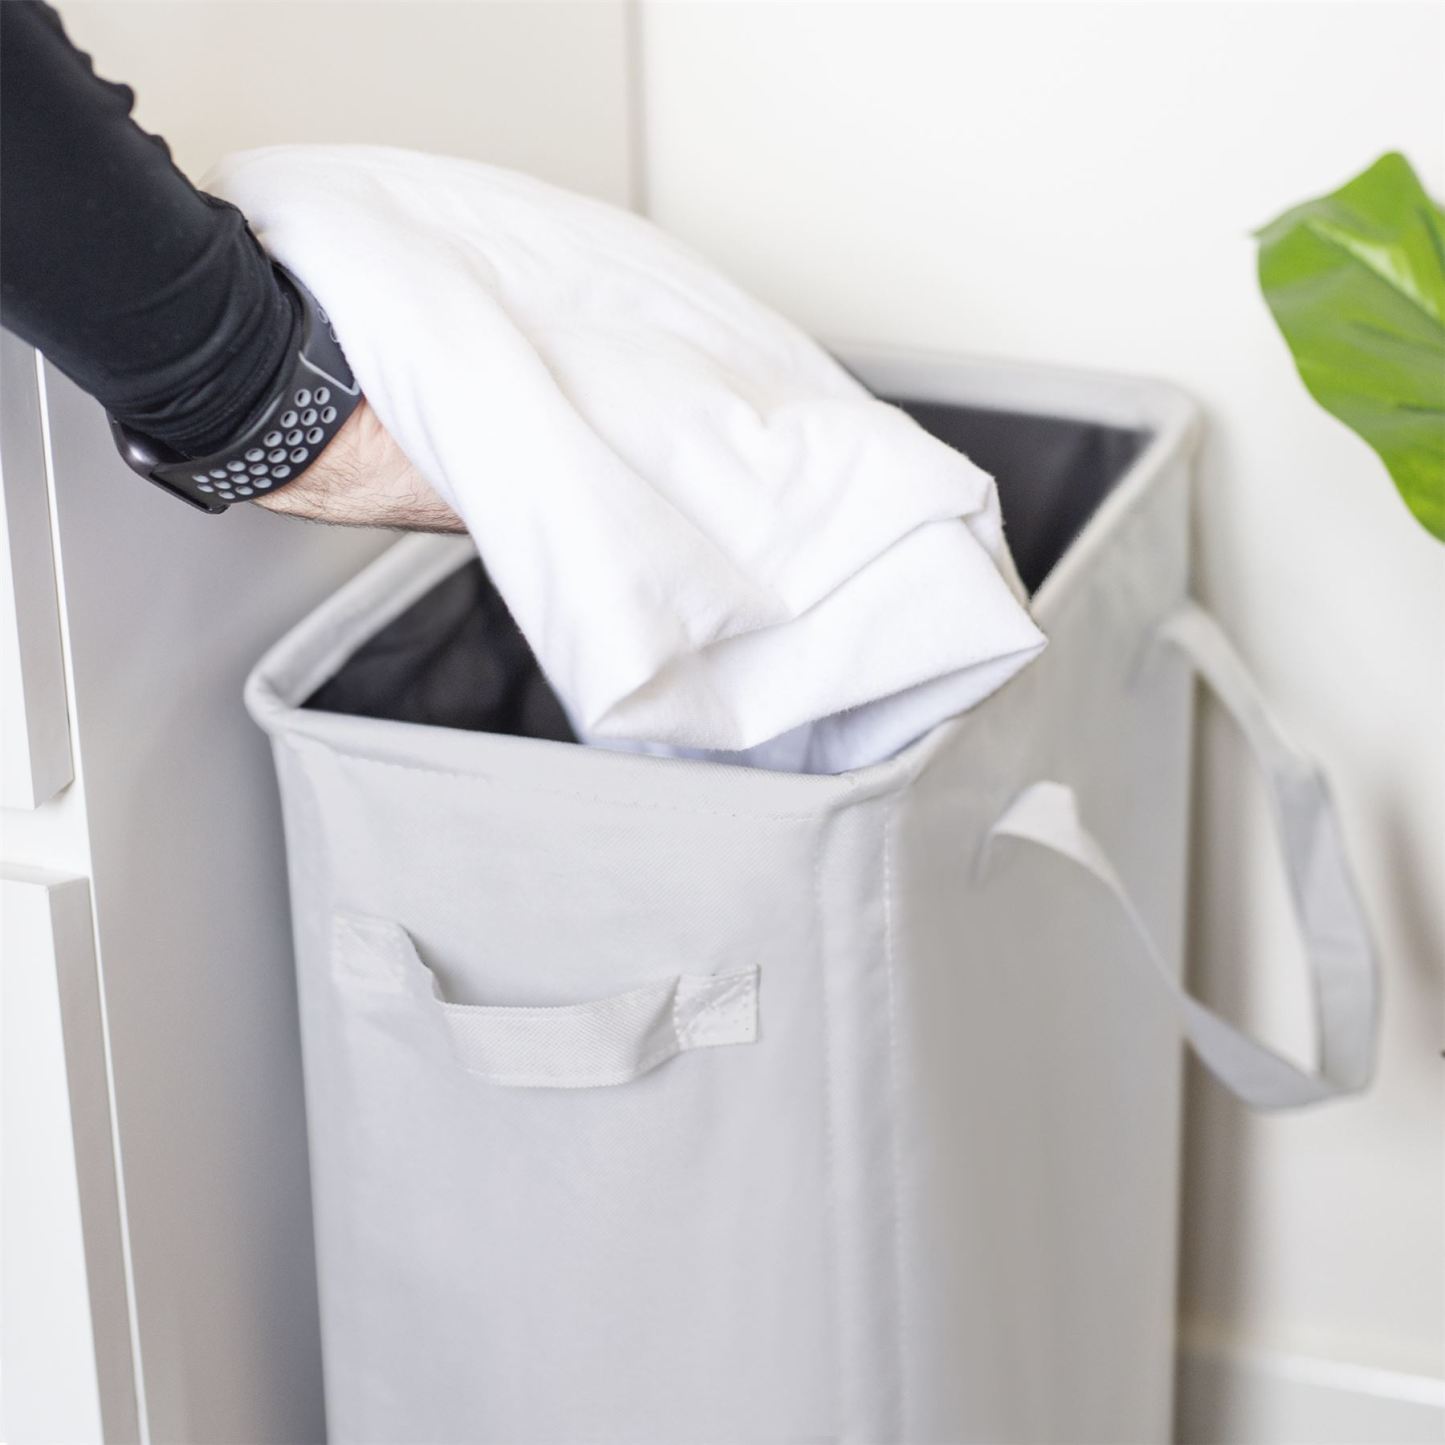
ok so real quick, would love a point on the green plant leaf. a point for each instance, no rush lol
(1356, 282)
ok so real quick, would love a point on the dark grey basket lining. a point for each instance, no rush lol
(455, 658)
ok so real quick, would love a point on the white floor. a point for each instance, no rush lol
(1233, 1396)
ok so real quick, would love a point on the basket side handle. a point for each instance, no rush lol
(591, 1044)
(1343, 978)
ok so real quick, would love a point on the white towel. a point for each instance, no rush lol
(713, 538)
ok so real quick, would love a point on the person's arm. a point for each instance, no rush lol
(153, 297)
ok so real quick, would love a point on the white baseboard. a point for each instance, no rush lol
(1231, 1395)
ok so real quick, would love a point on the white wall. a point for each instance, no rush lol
(1078, 183)
(538, 86)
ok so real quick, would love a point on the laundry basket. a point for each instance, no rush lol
(657, 1102)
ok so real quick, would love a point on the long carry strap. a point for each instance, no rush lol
(1343, 978)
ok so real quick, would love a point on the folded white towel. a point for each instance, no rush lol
(712, 537)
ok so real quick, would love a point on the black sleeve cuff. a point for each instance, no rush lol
(153, 297)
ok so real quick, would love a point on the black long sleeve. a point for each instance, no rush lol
(152, 296)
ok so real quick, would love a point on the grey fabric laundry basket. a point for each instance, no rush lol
(661, 1102)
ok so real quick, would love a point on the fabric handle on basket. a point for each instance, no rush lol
(588, 1045)
(605, 1041)
(1333, 929)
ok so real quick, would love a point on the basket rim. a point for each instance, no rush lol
(316, 646)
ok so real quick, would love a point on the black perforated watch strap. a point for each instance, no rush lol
(316, 394)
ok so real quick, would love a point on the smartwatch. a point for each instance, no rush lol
(314, 395)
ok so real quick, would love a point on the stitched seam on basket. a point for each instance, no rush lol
(350, 934)
(830, 1144)
(733, 998)
(896, 1162)
(725, 1019)
(531, 790)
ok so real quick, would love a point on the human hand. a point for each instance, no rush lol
(363, 479)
